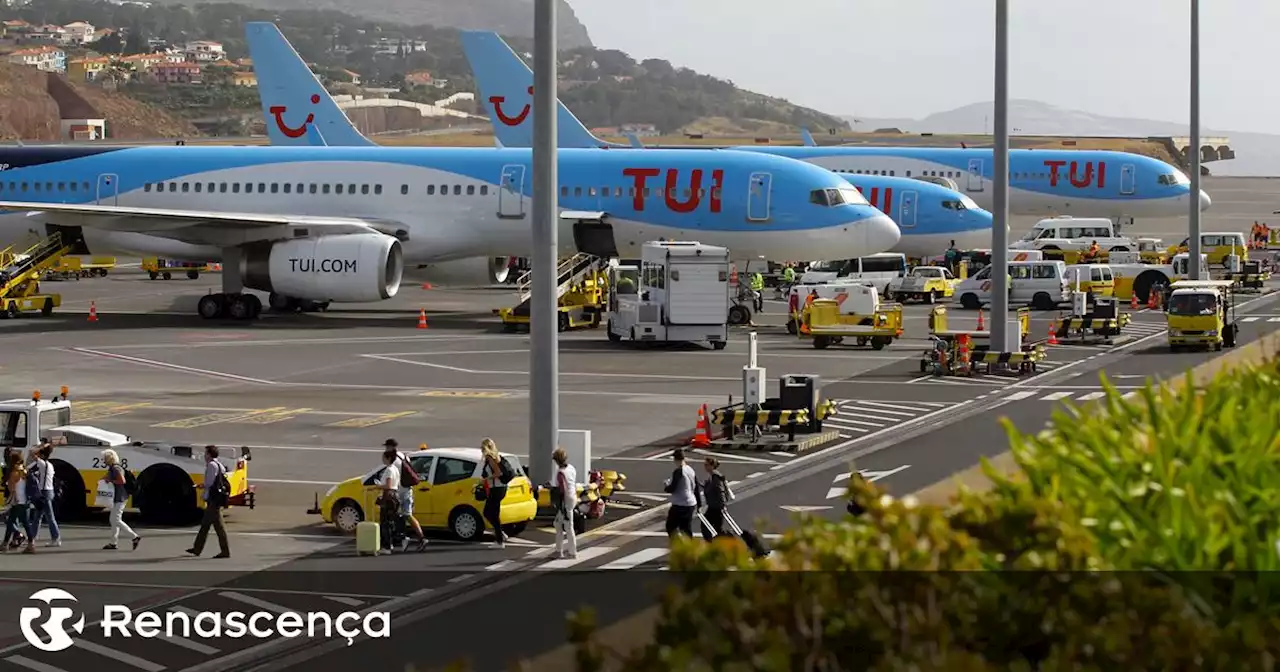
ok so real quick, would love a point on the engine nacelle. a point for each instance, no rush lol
(472, 272)
(352, 268)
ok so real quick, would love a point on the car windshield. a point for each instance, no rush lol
(1193, 304)
(1033, 234)
(827, 266)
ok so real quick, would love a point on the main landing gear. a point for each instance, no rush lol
(234, 306)
(280, 303)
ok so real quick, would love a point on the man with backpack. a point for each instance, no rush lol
(217, 492)
(40, 493)
(409, 479)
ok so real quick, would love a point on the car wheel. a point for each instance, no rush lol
(347, 516)
(739, 315)
(466, 524)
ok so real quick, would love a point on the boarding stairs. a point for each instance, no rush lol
(21, 270)
(569, 273)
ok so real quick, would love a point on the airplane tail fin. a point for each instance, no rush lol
(635, 141)
(506, 91)
(293, 99)
(808, 138)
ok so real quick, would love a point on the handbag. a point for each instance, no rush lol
(481, 491)
(105, 495)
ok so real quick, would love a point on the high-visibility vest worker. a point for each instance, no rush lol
(757, 281)
(813, 296)
(789, 275)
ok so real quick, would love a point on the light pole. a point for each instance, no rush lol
(544, 365)
(1193, 152)
(1000, 183)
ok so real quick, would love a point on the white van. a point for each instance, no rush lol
(1073, 234)
(1042, 284)
(875, 270)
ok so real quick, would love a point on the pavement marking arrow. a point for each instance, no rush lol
(871, 476)
(804, 509)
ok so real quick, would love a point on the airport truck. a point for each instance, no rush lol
(167, 477)
(679, 293)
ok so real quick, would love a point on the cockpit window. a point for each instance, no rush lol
(834, 197)
(853, 196)
(819, 197)
(1175, 178)
(969, 203)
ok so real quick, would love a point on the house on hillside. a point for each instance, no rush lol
(47, 58)
(84, 129)
(204, 51)
(142, 62)
(354, 77)
(244, 79)
(14, 28)
(87, 69)
(176, 73)
(418, 78)
(77, 33)
(640, 130)
(46, 34)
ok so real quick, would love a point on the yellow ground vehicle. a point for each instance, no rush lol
(445, 499)
(923, 283)
(1153, 251)
(1202, 313)
(1094, 280)
(944, 351)
(76, 267)
(610, 483)
(1216, 245)
(169, 477)
(581, 293)
(1131, 276)
(854, 312)
(20, 273)
(166, 268)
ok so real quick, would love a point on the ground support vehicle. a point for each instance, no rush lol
(581, 288)
(1202, 314)
(855, 312)
(681, 295)
(956, 351)
(1040, 284)
(70, 267)
(158, 268)
(1068, 238)
(1133, 277)
(1251, 277)
(168, 476)
(922, 283)
(1152, 251)
(1217, 246)
(20, 273)
(1091, 321)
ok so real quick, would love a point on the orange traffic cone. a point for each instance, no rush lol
(1153, 300)
(426, 285)
(1053, 333)
(1133, 301)
(93, 311)
(422, 318)
(702, 431)
(982, 324)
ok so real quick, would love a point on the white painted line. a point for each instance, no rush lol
(1129, 395)
(897, 405)
(121, 656)
(836, 492)
(349, 601)
(33, 664)
(1093, 395)
(277, 481)
(188, 644)
(540, 553)
(649, 533)
(728, 456)
(758, 474)
(171, 367)
(872, 410)
(421, 591)
(256, 602)
(777, 467)
(850, 421)
(1273, 319)
(583, 555)
(779, 453)
(461, 578)
(1055, 396)
(582, 374)
(1016, 396)
(500, 566)
(638, 558)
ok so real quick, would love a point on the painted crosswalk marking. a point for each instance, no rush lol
(871, 476)
(216, 418)
(36, 665)
(112, 652)
(636, 559)
(370, 421)
(278, 416)
(1055, 396)
(1258, 318)
(583, 556)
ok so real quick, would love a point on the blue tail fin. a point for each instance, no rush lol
(635, 141)
(506, 92)
(293, 98)
(808, 138)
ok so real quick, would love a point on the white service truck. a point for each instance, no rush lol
(680, 293)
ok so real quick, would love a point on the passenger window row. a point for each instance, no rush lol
(264, 187)
(619, 192)
(22, 187)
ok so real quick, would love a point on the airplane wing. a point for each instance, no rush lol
(203, 226)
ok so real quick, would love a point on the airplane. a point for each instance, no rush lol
(1082, 183)
(338, 224)
(931, 217)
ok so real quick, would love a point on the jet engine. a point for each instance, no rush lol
(354, 268)
(472, 272)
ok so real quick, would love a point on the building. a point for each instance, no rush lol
(418, 78)
(353, 76)
(78, 32)
(204, 51)
(46, 34)
(175, 73)
(244, 79)
(87, 69)
(15, 28)
(142, 62)
(47, 58)
(84, 129)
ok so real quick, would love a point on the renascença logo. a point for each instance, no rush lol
(55, 626)
(120, 621)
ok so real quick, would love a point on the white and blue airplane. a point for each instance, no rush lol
(338, 224)
(932, 217)
(1081, 183)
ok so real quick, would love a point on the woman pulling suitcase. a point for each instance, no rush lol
(718, 494)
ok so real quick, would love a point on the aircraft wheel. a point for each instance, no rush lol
(210, 306)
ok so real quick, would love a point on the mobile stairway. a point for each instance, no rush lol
(20, 273)
(580, 295)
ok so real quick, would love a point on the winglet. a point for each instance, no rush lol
(807, 137)
(505, 85)
(293, 98)
(635, 141)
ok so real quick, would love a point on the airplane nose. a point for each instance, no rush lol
(1205, 201)
(882, 234)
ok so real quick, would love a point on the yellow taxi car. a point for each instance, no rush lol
(444, 500)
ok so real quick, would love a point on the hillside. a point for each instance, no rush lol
(1256, 153)
(508, 17)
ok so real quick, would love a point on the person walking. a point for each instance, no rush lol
(757, 291)
(43, 499)
(495, 474)
(717, 497)
(217, 490)
(390, 515)
(565, 496)
(116, 477)
(408, 479)
(683, 488)
(16, 495)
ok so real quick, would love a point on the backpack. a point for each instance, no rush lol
(34, 478)
(408, 476)
(220, 490)
(130, 483)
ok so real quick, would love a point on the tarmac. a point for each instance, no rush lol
(315, 395)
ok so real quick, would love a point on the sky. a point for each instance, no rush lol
(911, 58)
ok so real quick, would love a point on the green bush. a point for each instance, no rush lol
(1090, 558)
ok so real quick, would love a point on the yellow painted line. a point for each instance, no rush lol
(467, 394)
(269, 418)
(356, 423)
(105, 411)
(215, 418)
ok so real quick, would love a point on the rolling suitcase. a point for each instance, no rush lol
(368, 538)
(748, 537)
(708, 532)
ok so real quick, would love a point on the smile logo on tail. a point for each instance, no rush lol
(278, 112)
(497, 102)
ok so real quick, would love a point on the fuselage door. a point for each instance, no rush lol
(511, 195)
(907, 216)
(108, 188)
(1127, 179)
(758, 199)
(975, 175)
